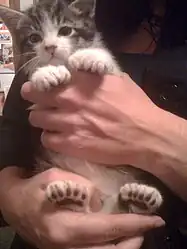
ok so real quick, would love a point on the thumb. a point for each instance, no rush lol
(137, 224)
(55, 174)
(99, 228)
(131, 243)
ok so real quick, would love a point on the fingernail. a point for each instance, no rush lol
(25, 89)
(159, 222)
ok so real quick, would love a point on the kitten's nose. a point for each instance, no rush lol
(50, 49)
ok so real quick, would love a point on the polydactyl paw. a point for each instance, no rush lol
(68, 194)
(44, 78)
(97, 61)
(142, 199)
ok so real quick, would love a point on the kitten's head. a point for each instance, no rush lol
(53, 29)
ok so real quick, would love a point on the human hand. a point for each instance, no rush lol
(23, 206)
(107, 120)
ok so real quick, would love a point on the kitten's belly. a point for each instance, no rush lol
(138, 198)
(107, 179)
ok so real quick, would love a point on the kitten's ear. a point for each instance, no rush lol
(83, 7)
(10, 17)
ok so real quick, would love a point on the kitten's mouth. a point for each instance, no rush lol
(52, 57)
(54, 60)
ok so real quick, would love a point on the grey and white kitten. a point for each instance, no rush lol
(56, 37)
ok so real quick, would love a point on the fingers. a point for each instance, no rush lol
(131, 243)
(53, 120)
(70, 144)
(102, 228)
(54, 174)
(85, 144)
(85, 86)
(107, 246)
(56, 97)
(31, 94)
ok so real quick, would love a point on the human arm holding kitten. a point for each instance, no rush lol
(112, 127)
(126, 133)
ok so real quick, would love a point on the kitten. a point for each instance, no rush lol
(58, 37)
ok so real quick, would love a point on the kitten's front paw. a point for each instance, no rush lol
(69, 195)
(141, 198)
(94, 60)
(50, 76)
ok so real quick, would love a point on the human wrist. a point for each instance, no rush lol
(164, 150)
(170, 139)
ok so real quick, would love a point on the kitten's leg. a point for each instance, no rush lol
(68, 194)
(95, 60)
(44, 78)
(141, 198)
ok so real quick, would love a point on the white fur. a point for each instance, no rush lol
(98, 61)
(95, 60)
(64, 46)
(143, 194)
(49, 76)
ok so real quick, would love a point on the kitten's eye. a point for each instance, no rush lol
(35, 38)
(65, 31)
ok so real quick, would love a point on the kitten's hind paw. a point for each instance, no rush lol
(68, 194)
(141, 198)
(44, 78)
(95, 60)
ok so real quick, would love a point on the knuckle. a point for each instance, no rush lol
(35, 118)
(44, 138)
(52, 173)
(32, 117)
(52, 141)
(59, 98)
(113, 233)
(47, 139)
(77, 140)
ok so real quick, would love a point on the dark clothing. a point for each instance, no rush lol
(15, 129)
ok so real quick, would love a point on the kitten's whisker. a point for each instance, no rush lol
(28, 63)
(25, 54)
(34, 65)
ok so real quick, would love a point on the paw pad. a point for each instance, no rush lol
(94, 60)
(60, 192)
(141, 198)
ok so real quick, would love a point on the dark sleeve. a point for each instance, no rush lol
(15, 132)
(119, 19)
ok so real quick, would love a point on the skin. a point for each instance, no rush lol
(45, 226)
(129, 130)
(103, 112)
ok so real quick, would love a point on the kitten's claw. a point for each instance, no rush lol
(142, 198)
(94, 60)
(68, 194)
(50, 76)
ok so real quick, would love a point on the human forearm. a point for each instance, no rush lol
(117, 124)
(165, 151)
